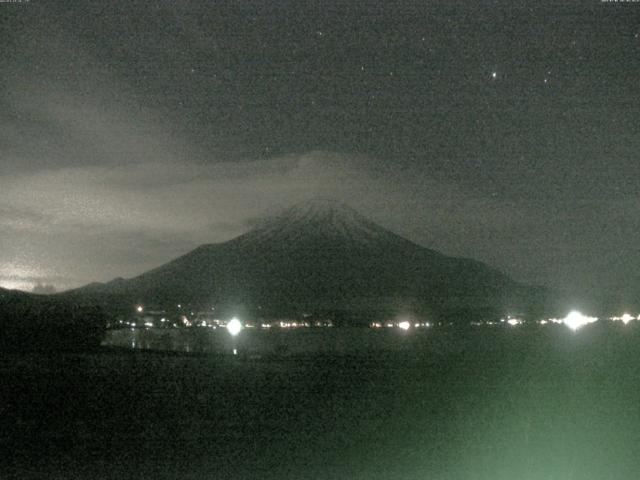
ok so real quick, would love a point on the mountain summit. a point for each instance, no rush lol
(320, 257)
(317, 220)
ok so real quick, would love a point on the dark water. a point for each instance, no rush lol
(276, 341)
(487, 404)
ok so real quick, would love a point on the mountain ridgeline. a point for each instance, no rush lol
(323, 258)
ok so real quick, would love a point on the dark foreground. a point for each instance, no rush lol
(498, 404)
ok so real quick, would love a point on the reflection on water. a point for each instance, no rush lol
(260, 342)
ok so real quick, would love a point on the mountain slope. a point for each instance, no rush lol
(318, 256)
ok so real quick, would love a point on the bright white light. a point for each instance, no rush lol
(235, 351)
(404, 325)
(626, 318)
(575, 320)
(139, 309)
(234, 326)
(513, 321)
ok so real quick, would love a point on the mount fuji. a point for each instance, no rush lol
(324, 258)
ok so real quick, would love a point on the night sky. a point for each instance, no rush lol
(506, 131)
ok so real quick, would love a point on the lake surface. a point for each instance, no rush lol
(276, 341)
(487, 404)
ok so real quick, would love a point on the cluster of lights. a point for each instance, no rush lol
(299, 324)
(513, 321)
(288, 324)
(625, 318)
(402, 325)
(551, 320)
(576, 320)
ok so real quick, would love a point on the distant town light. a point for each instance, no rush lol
(139, 309)
(575, 320)
(513, 321)
(234, 326)
(404, 325)
(626, 318)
